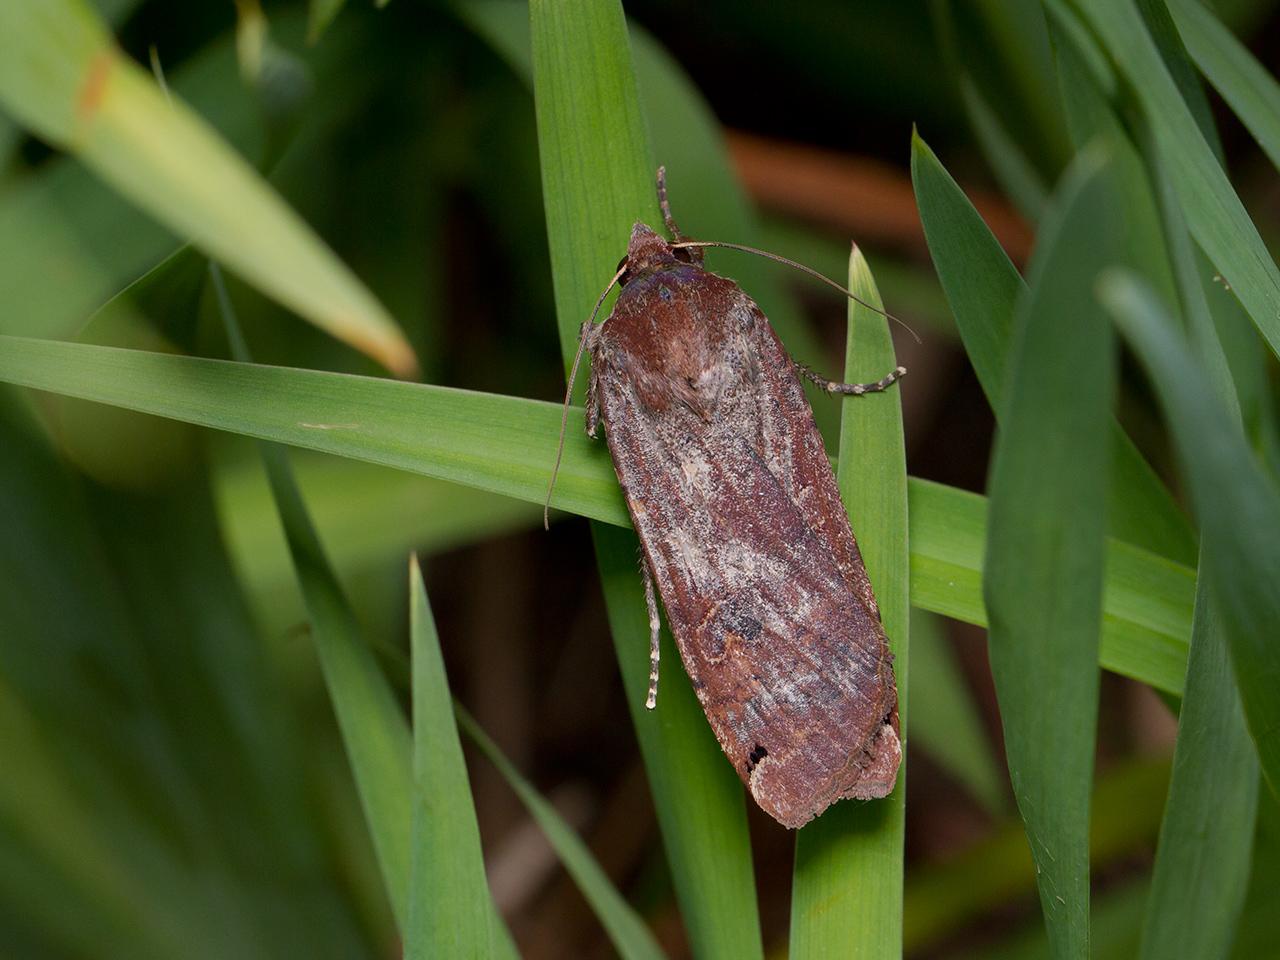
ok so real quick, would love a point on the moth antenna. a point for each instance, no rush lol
(568, 393)
(803, 269)
(665, 205)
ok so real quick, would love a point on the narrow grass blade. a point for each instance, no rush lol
(1202, 862)
(1014, 169)
(598, 179)
(368, 518)
(450, 910)
(1214, 213)
(505, 445)
(1237, 504)
(626, 929)
(62, 76)
(983, 288)
(1249, 89)
(1045, 552)
(945, 722)
(686, 137)
(374, 729)
(1164, 33)
(846, 894)
(998, 870)
(321, 13)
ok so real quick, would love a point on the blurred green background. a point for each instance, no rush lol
(173, 780)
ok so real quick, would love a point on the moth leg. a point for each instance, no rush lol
(593, 405)
(694, 254)
(850, 389)
(655, 627)
(593, 388)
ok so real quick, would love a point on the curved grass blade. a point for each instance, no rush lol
(1214, 213)
(373, 727)
(983, 288)
(1249, 89)
(626, 929)
(368, 518)
(598, 179)
(1202, 862)
(62, 76)
(451, 913)
(1046, 547)
(504, 445)
(1237, 504)
(846, 894)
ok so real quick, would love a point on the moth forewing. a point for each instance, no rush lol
(744, 533)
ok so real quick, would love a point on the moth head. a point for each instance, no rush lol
(646, 252)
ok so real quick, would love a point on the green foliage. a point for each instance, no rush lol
(203, 678)
(1047, 528)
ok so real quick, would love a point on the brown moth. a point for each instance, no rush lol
(743, 530)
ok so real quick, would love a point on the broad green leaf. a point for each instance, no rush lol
(983, 287)
(449, 903)
(945, 721)
(598, 179)
(1045, 550)
(506, 445)
(1214, 213)
(1249, 89)
(62, 75)
(846, 895)
(374, 728)
(626, 929)
(1237, 505)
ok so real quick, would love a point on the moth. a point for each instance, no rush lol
(742, 529)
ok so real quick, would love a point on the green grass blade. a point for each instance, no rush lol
(1214, 213)
(369, 518)
(597, 180)
(321, 13)
(506, 444)
(1202, 862)
(62, 76)
(1201, 871)
(703, 188)
(373, 727)
(1164, 33)
(983, 288)
(450, 909)
(846, 895)
(1045, 552)
(945, 722)
(1249, 89)
(626, 929)
(997, 871)
(1237, 505)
